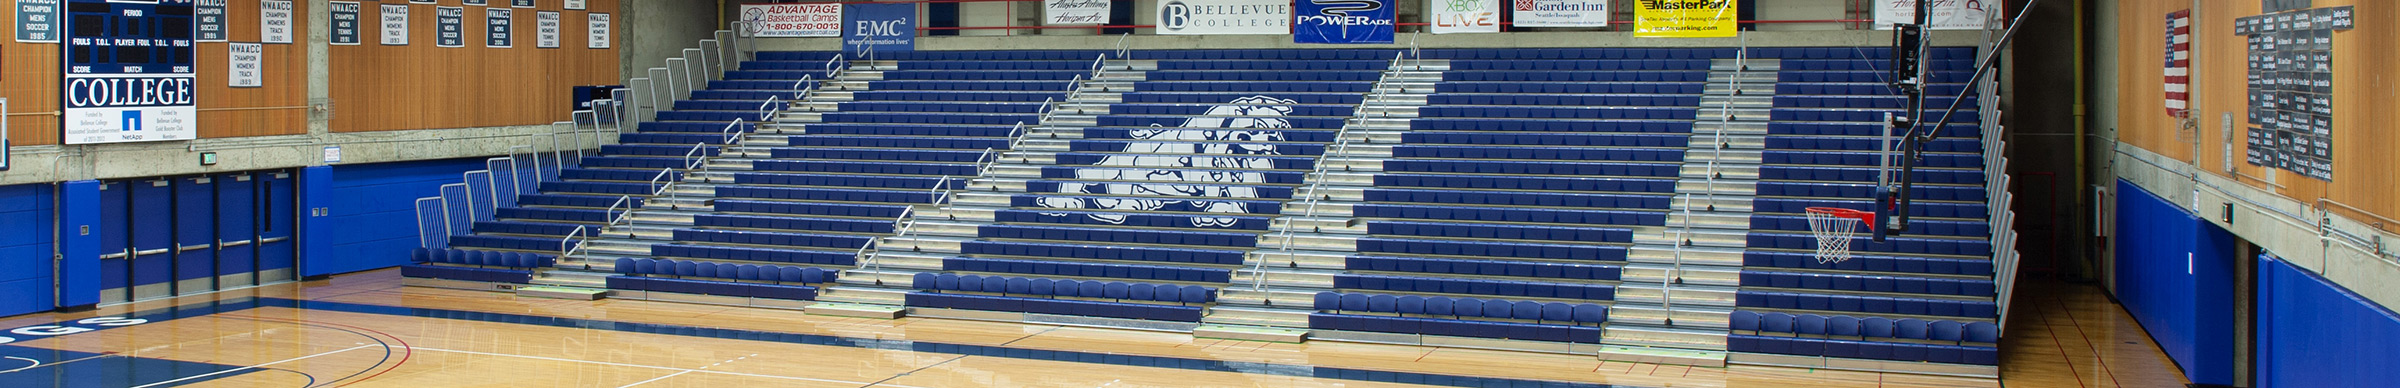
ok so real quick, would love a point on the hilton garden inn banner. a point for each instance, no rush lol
(1224, 17)
(1560, 13)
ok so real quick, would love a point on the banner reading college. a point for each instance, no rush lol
(1684, 18)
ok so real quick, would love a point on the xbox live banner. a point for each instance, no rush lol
(1684, 18)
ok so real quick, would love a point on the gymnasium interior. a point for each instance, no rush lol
(1190, 193)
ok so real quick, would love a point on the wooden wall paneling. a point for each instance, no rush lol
(29, 77)
(278, 107)
(2366, 171)
(421, 86)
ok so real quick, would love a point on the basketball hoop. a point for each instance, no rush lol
(1834, 228)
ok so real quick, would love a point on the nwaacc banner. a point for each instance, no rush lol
(1684, 18)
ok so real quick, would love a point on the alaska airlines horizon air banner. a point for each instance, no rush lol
(1684, 18)
(1342, 22)
(129, 72)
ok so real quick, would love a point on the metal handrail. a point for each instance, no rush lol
(1717, 145)
(767, 110)
(803, 88)
(1096, 65)
(834, 66)
(1358, 116)
(1122, 49)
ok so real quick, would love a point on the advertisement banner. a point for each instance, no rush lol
(1343, 22)
(1075, 11)
(1224, 17)
(822, 20)
(1684, 18)
(1466, 16)
(1947, 14)
(128, 98)
(879, 27)
(1561, 13)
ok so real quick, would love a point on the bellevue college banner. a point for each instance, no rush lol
(1225, 17)
(1342, 21)
(1684, 18)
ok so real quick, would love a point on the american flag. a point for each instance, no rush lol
(2179, 61)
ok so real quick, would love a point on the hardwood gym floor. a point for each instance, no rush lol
(366, 330)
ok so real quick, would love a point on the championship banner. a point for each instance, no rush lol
(210, 15)
(1343, 22)
(1224, 17)
(449, 27)
(1075, 11)
(245, 66)
(597, 28)
(1947, 14)
(546, 25)
(1465, 16)
(128, 84)
(821, 20)
(394, 19)
(37, 21)
(499, 26)
(1684, 18)
(345, 22)
(1561, 13)
(879, 27)
(275, 21)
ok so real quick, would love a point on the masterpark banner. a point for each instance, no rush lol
(1684, 18)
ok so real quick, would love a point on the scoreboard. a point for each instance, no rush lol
(129, 71)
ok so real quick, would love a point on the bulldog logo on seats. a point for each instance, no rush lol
(1186, 161)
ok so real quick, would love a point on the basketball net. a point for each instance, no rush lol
(1834, 228)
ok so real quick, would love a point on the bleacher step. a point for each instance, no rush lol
(555, 292)
(1682, 294)
(1627, 334)
(1705, 318)
(863, 295)
(1652, 273)
(1668, 356)
(1646, 253)
(1250, 333)
(856, 310)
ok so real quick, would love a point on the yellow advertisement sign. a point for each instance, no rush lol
(1684, 18)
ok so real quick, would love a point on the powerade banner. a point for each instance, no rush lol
(129, 71)
(879, 27)
(1684, 18)
(1342, 21)
(1224, 17)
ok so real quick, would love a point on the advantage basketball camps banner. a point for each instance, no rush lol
(822, 20)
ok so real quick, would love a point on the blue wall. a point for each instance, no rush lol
(372, 222)
(2313, 333)
(2175, 273)
(25, 249)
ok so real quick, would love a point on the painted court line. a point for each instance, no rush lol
(649, 366)
(252, 366)
(36, 363)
